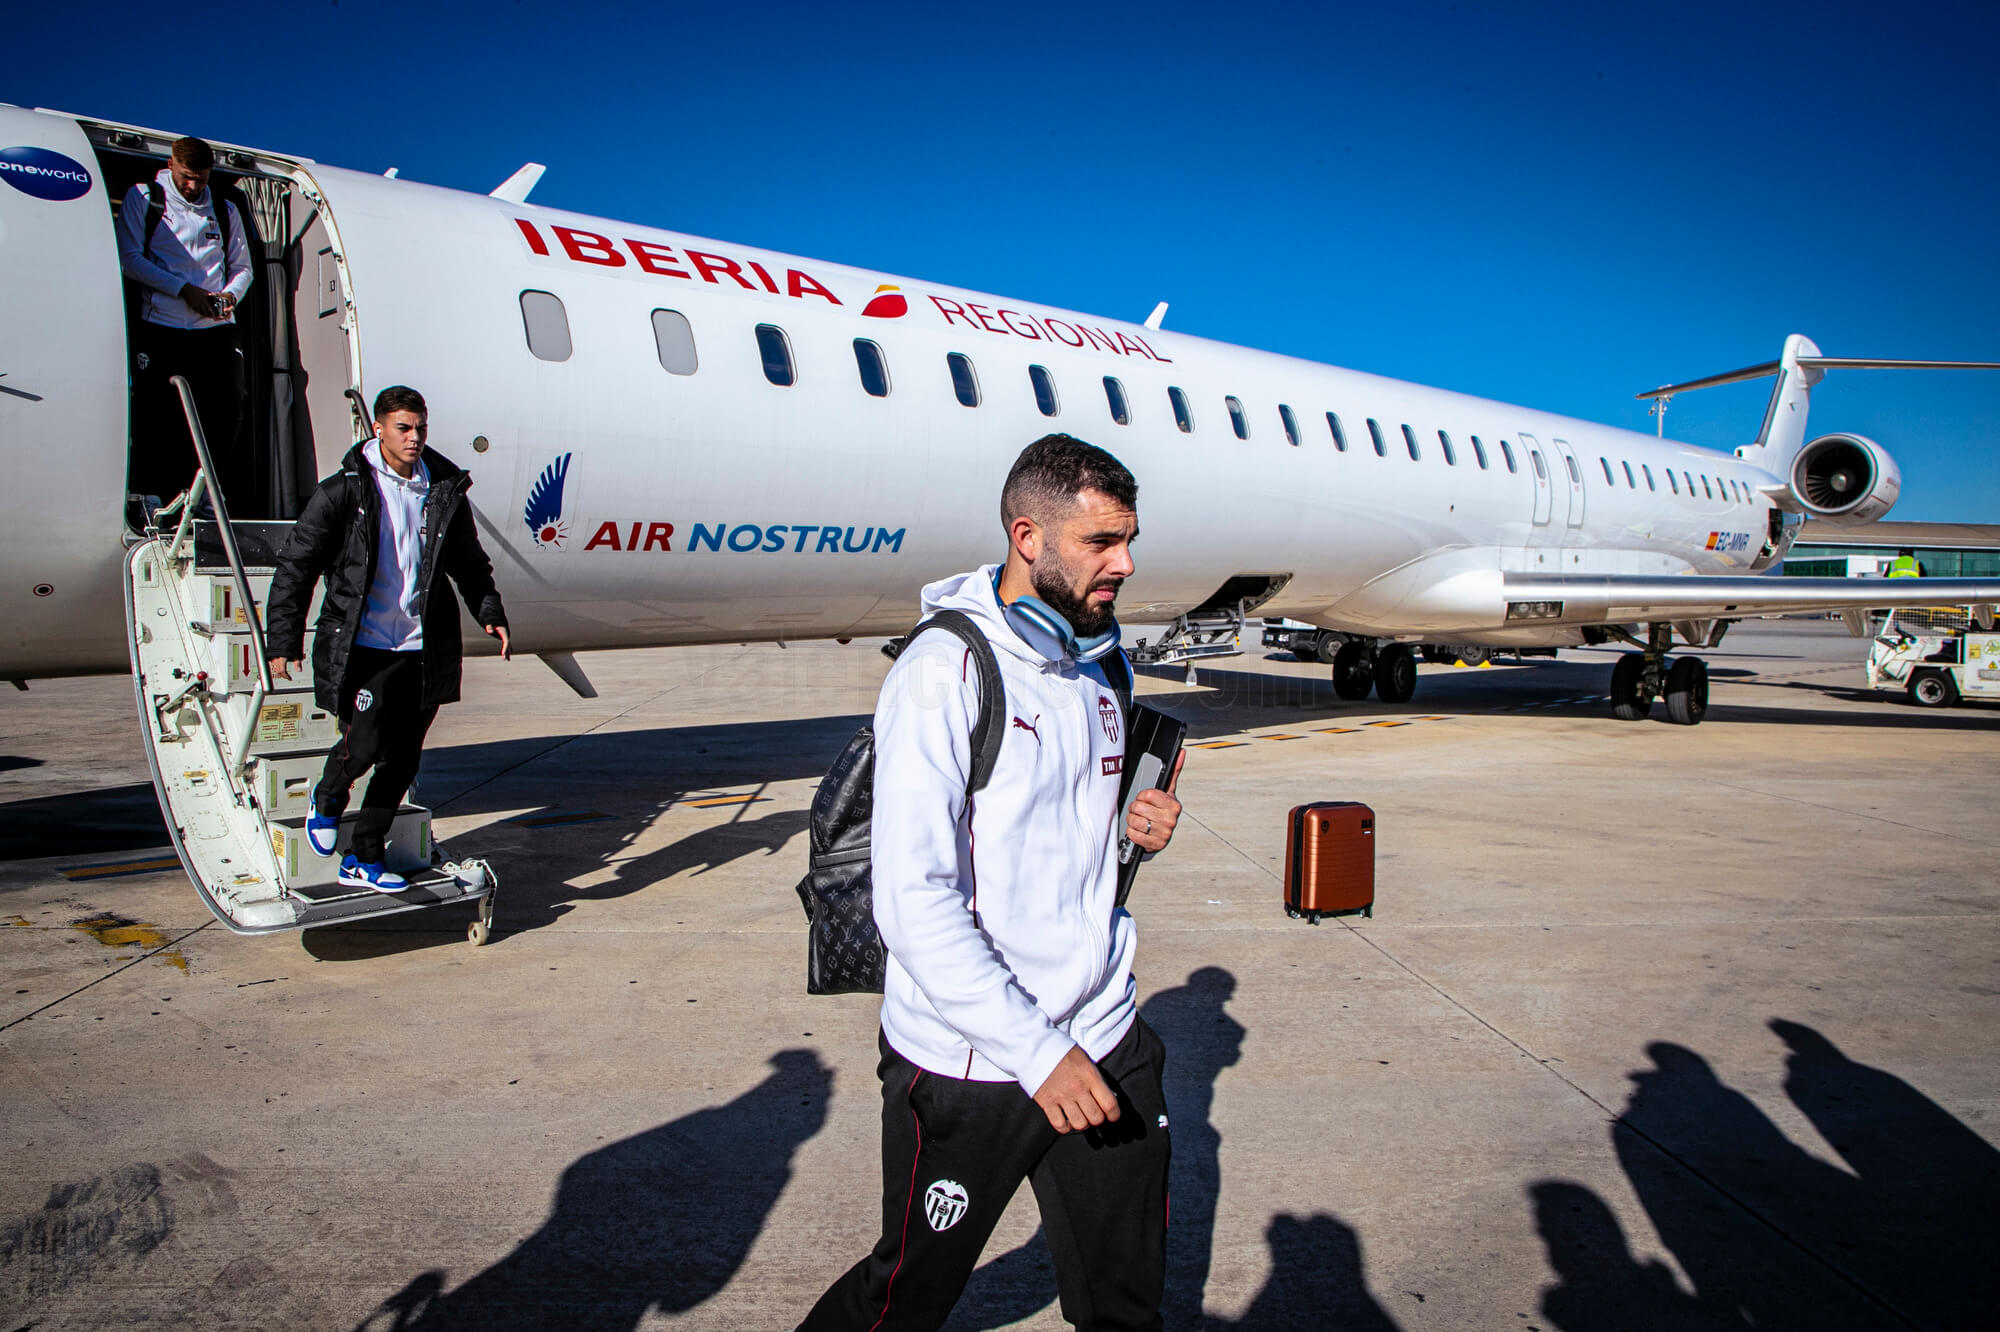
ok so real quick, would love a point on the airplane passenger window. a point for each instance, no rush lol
(1045, 389)
(776, 350)
(1183, 413)
(1649, 476)
(1575, 478)
(1605, 463)
(964, 382)
(1410, 438)
(1674, 485)
(1536, 456)
(1339, 435)
(547, 325)
(1507, 452)
(1479, 452)
(874, 368)
(1450, 454)
(1375, 433)
(1291, 424)
(1631, 482)
(673, 339)
(1704, 486)
(1237, 418)
(1114, 396)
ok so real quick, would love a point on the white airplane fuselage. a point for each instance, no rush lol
(718, 506)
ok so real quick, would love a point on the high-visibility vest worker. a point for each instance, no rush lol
(1906, 566)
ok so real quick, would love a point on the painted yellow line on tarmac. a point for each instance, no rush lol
(152, 866)
(1281, 737)
(1385, 723)
(725, 800)
(1336, 730)
(1219, 744)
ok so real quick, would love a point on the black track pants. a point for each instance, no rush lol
(382, 726)
(954, 1151)
(163, 456)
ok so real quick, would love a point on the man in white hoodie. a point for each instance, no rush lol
(187, 252)
(1011, 1045)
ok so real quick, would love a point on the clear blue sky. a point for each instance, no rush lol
(1552, 205)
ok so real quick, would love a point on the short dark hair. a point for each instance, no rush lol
(194, 154)
(1051, 472)
(399, 398)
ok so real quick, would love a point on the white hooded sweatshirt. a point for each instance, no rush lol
(1005, 947)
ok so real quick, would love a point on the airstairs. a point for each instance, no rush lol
(235, 752)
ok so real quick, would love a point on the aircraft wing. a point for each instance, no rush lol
(1624, 598)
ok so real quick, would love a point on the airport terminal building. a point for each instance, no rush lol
(1945, 550)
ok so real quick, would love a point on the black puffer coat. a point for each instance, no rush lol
(335, 538)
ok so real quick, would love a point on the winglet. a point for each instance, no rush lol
(515, 188)
(1155, 319)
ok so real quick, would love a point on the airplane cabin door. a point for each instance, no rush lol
(1574, 474)
(62, 392)
(1538, 466)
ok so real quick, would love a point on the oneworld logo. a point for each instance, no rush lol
(543, 512)
(44, 173)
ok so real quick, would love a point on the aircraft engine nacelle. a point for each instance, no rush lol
(1845, 479)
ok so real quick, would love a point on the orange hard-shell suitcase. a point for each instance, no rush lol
(1330, 861)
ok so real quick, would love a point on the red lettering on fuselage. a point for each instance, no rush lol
(656, 259)
(587, 247)
(802, 284)
(708, 265)
(955, 309)
(534, 237)
(660, 536)
(605, 535)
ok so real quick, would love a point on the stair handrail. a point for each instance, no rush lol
(237, 570)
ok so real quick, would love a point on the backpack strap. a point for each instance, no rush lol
(156, 208)
(1118, 674)
(987, 731)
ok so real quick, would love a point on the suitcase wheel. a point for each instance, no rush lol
(1312, 917)
(1292, 911)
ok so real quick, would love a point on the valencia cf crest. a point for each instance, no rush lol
(1107, 712)
(944, 1203)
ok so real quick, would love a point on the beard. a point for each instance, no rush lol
(1053, 582)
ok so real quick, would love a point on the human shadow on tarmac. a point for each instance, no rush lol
(1769, 1234)
(657, 1222)
(1316, 1271)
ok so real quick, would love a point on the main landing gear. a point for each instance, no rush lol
(1388, 670)
(1640, 677)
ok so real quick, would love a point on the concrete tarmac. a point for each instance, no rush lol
(1654, 1026)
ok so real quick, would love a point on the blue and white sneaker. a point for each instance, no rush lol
(322, 833)
(363, 874)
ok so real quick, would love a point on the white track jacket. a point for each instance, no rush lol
(1004, 945)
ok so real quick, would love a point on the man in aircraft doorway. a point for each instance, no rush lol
(386, 651)
(1011, 1047)
(186, 251)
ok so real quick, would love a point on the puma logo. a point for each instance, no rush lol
(1031, 729)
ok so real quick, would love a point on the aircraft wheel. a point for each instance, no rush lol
(478, 932)
(1628, 701)
(1687, 692)
(1395, 674)
(1473, 655)
(1353, 671)
(1328, 648)
(1934, 690)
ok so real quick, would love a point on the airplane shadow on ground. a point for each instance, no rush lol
(627, 781)
(1228, 702)
(657, 1222)
(1907, 1234)
(1316, 1276)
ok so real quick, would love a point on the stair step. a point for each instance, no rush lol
(309, 874)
